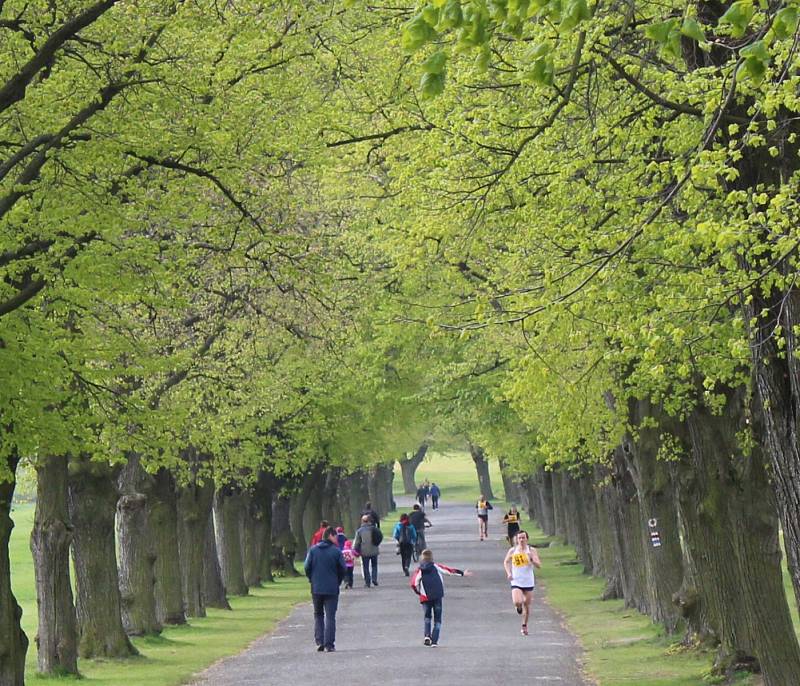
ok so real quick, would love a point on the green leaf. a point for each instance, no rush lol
(574, 13)
(435, 64)
(430, 14)
(451, 16)
(785, 23)
(738, 16)
(432, 85)
(755, 68)
(416, 33)
(482, 61)
(660, 32)
(691, 29)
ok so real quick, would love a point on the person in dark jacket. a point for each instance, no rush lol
(406, 536)
(436, 492)
(369, 512)
(325, 570)
(428, 584)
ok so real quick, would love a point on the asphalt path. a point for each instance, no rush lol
(379, 630)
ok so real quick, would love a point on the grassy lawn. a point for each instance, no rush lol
(178, 652)
(454, 472)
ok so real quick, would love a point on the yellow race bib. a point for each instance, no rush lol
(520, 560)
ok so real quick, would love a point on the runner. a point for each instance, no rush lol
(483, 506)
(428, 584)
(511, 520)
(519, 563)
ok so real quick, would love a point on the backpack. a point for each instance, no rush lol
(405, 535)
(377, 536)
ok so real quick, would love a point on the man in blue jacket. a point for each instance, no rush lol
(325, 570)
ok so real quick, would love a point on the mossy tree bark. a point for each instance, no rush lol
(731, 532)
(162, 517)
(57, 633)
(482, 469)
(379, 484)
(408, 468)
(92, 505)
(510, 485)
(284, 543)
(13, 642)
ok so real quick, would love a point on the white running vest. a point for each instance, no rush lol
(521, 570)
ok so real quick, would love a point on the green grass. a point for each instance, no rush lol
(178, 652)
(454, 472)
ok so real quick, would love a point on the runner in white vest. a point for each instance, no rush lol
(519, 563)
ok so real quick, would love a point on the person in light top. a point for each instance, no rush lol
(427, 582)
(519, 563)
(482, 508)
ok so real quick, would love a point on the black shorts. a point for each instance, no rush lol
(485, 517)
(527, 589)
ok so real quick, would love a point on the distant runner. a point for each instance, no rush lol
(483, 506)
(519, 563)
(511, 520)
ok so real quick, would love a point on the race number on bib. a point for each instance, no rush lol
(520, 560)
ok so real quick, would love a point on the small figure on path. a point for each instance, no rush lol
(319, 533)
(428, 584)
(340, 537)
(483, 506)
(371, 514)
(422, 495)
(349, 556)
(519, 563)
(511, 520)
(418, 519)
(436, 493)
(406, 536)
(367, 543)
(325, 569)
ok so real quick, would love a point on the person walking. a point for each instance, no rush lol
(325, 569)
(436, 492)
(428, 583)
(406, 536)
(519, 563)
(422, 495)
(318, 534)
(367, 543)
(371, 514)
(511, 520)
(340, 537)
(482, 507)
(418, 519)
(349, 556)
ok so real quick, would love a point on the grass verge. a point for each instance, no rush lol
(179, 652)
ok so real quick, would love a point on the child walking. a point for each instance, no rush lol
(428, 584)
(349, 556)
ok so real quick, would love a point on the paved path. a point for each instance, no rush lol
(379, 630)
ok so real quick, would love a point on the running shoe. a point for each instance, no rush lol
(519, 609)
(434, 645)
(524, 630)
(427, 641)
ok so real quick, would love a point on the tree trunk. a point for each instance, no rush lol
(162, 517)
(213, 586)
(408, 468)
(92, 505)
(605, 496)
(544, 479)
(482, 468)
(194, 512)
(297, 509)
(57, 637)
(510, 486)
(228, 509)
(13, 642)
(137, 553)
(261, 507)
(559, 515)
(732, 534)
(284, 543)
(137, 575)
(380, 488)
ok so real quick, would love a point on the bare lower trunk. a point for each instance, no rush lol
(162, 515)
(57, 634)
(482, 469)
(137, 578)
(380, 488)
(213, 586)
(284, 544)
(732, 534)
(510, 485)
(544, 481)
(605, 496)
(13, 642)
(408, 468)
(92, 505)
(228, 511)
(559, 514)
(194, 512)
